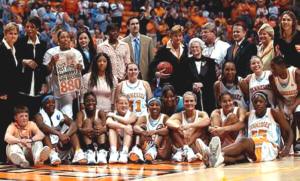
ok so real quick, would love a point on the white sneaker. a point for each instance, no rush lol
(215, 157)
(178, 155)
(91, 157)
(113, 157)
(136, 154)
(123, 157)
(54, 158)
(79, 157)
(151, 153)
(204, 151)
(102, 156)
(189, 154)
(42, 155)
(19, 160)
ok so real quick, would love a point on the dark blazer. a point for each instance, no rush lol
(242, 58)
(87, 63)
(207, 77)
(25, 51)
(164, 54)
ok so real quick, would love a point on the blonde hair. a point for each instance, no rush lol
(268, 28)
(11, 26)
(176, 29)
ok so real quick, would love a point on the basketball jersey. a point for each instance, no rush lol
(137, 96)
(154, 124)
(236, 92)
(265, 133)
(185, 121)
(289, 89)
(85, 115)
(55, 121)
(224, 117)
(262, 85)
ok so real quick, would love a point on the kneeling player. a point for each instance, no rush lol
(120, 130)
(152, 139)
(186, 127)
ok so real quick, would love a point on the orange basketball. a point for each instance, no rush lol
(167, 66)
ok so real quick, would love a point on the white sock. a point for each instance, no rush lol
(113, 149)
(186, 147)
(125, 149)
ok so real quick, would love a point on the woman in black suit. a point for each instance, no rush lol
(31, 50)
(9, 80)
(200, 76)
(174, 52)
(86, 47)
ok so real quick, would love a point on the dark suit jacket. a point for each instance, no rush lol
(207, 77)
(87, 63)
(164, 54)
(242, 58)
(25, 51)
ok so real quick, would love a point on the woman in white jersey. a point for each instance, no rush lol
(265, 126)
(285, 82)
(64, 101)
(230, 82)
(92, 127)
(137, 91)
(152, 135)
(258, 81)
(120, 130)
(227, 121)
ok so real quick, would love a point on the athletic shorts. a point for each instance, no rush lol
(264, 149)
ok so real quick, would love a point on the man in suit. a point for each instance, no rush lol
(141, 47)
(241, 51)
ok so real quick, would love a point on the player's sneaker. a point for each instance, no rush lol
(91, 157)
(215, 157)
(54, 158)
(113, 157)
(136, 154)
(102, 156)
(151, 153)
(189, 154)
(79, 157)
(178, 156)
(18, 159)
(123, 157)
(42, 155)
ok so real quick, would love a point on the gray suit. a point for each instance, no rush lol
(146, 55)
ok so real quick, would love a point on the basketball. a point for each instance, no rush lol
(165, 65)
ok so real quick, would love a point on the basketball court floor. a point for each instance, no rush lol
(286, 169)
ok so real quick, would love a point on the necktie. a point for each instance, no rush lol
(137, 52)
(235, 49)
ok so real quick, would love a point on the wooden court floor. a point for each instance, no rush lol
(287, 169)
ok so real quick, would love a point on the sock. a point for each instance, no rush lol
(102, 146)
(125, 149)
(185, 147)
(113, 149)
(90, 147)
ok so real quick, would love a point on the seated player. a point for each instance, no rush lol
(185, 127)
(120, 130)
(24, 140)
(152, 135)
(92, 127)
(227, 121)
(60, 133)
(265, 128)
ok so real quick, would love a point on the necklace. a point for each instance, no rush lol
(132, 85)
(153, 122)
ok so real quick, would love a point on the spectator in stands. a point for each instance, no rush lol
(31, 50)
(10, 74)
(118, 51)
(241, 50)
(71, 7)
(141, 47)
(266, 48)
(116, 13)
(287, 43)
(86, 47)
(61, 134)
